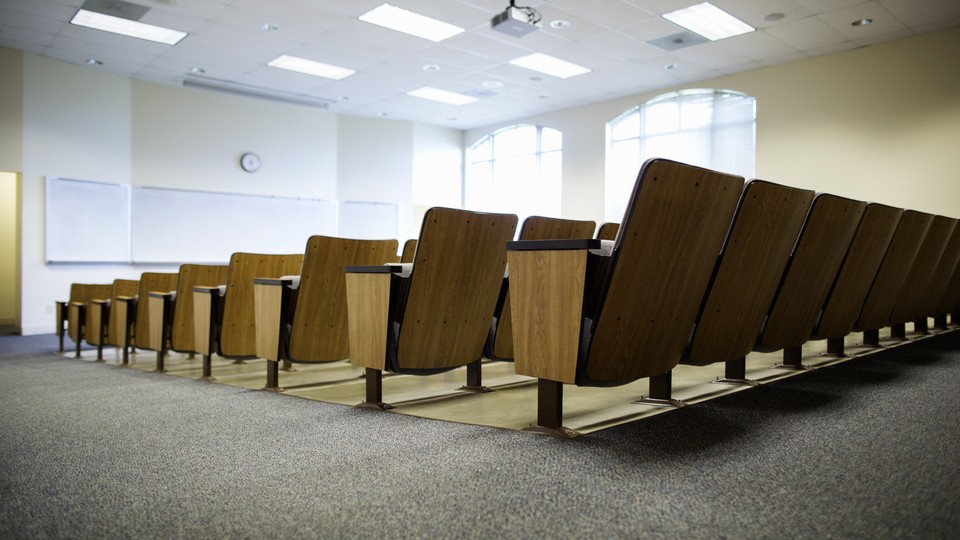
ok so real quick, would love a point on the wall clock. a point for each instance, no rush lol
(250, 162)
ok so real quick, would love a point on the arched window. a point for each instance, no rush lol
(705, 127)
(516, 170)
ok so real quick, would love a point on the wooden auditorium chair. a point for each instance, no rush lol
(76, 310)
(909, 305)
(105, 322)
(749, 268)
(608, 231)
(499, 345)
(304, 318)
(133, 307)
(939, 292)
(892, 274)
(813, 268)
(433, 315)
(849, 290)
(409, 249)
(223, 314)
(588, 317)
(165, 318)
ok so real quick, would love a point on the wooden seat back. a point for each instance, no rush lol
(237, 336)
(896, 265)
(661, 264)
(150, 282)
(453, 288)
(814, 265)
(749, 270)
(909, 302)
(533, 228)
(950, 301)
(859, 268)
(938, 295)
(409, 250)
(608, 231)
(84, 294)
(190, 276)
(319, 330)
(124, 288)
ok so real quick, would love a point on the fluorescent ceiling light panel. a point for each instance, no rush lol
(126, 27)
(709, 21)
(411, 23)
(550, 65)
(443, 96)
(309, 67)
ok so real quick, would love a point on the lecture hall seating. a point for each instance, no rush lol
(849, 291)
(499, 345)
(223, 314)
(169, 310)
(814, 265)
(304, 318)
(645, 295)
(433, 315)
(748, 270)
(104, 323)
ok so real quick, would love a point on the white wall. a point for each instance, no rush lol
(77, 125)
(192, 139)
(375, 164)
(437, 170)
(81, 123)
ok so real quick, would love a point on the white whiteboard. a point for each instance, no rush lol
(368, 220)
(177, 226)
(86, 221)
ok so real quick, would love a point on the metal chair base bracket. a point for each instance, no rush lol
(275, 389)
(735, 382)
(661, 402)
(476, 389)
(380, 406)
(559, 432)
(794, 367)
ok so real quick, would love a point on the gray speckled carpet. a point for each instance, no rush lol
(863, 449)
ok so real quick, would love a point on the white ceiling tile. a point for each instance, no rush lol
(608, 36)
(806, 34)
(842, 20)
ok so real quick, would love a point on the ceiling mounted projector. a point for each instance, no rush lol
(516, 21)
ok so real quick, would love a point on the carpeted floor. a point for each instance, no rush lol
(863, 449)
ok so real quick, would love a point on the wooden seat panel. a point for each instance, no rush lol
(751, 267)
(887, 286)
(662, 262)
(190, 276)
(150, 282)
(909, 302)
(816, 261)
(608, 231)
(237, 333)
(859, 268)
(453, 288)
(320, 330)
(534, 228)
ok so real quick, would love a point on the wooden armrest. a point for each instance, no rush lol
(276, 282)
(547, 279)
(162, 294)
(126, 298)
(379, 269)
(271, 302)
(217, 289)
(554, 245)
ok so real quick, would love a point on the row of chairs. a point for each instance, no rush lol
(704, 269)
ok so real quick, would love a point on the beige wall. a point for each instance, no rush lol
(880, 123)
(9, 249)
(11, 110)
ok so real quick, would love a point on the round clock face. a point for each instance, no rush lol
(250, 162)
